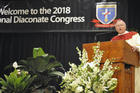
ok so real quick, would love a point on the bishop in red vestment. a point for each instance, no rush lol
(133, 39)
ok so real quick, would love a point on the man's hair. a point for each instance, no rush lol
(120, 21)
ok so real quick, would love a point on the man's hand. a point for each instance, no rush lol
(134, 48)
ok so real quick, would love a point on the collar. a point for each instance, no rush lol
(123, 33)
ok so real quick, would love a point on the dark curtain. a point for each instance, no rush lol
(134, 15)
(16, 46)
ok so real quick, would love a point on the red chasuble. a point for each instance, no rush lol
(133, 39)
(126, 36)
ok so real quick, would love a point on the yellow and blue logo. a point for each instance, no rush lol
(106, 12)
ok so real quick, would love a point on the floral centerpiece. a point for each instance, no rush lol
(88, 77)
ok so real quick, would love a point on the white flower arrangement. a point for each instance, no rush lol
(88, 77)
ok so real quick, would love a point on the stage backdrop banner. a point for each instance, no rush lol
(59, 15)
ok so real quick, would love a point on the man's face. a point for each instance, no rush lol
(120, 27)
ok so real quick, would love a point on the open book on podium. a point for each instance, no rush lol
(125, 59)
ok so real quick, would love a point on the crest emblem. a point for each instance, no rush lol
(106, 12)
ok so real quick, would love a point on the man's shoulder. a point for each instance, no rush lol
(126, 36)
(133, 32)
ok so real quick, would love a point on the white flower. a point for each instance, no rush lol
(75, 83)
(73, 66)
(90, 91)
(96, 70)
(15, 65)
(91, 64)
(88, 76)
(79, 89)
(88, 83)
(112, 83)
(19, 72)
(67, 76)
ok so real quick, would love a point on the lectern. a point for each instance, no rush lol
(125, 59)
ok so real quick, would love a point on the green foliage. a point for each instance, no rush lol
(16, 82)
(38, 52)
(45, 74)
(46, 67)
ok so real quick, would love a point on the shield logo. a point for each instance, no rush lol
(106, 12)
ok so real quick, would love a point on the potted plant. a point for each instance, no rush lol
(89, 77)
(47, 69)
(17, 82)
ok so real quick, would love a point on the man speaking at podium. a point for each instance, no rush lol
(133, 39)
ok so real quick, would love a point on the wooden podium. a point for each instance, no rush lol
(125, 59)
